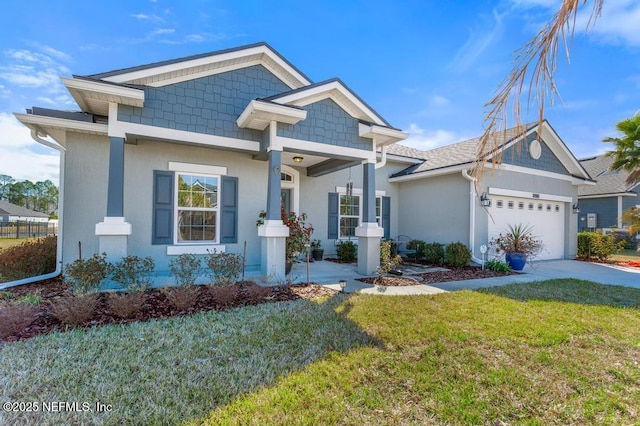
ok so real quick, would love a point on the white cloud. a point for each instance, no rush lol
(20, 156)
(477, 42)
(30, 69)
(161, 31)
(529, 4)
(144, 17)
(617, 25)
(425, 139)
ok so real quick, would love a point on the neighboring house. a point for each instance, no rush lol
(13, 213)
(181, 156)
(602, 205)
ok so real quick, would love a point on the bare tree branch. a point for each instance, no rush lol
(535, 63)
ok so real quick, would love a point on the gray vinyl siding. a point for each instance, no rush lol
(209, 105)
(327, 123)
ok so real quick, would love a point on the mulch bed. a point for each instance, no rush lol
(455, 274)
(155, 304)
(629, 263)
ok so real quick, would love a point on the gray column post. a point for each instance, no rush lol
(274, 186)
(115, 194)
(369, 193)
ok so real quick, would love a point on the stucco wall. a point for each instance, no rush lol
(86, 189)
(435, 209)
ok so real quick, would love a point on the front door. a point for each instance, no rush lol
(285, 200)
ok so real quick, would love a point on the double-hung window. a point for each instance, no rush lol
(197, 212)
(350, 214)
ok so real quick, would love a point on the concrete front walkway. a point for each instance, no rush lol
(329, 274)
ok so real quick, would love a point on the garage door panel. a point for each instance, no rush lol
(546, 218)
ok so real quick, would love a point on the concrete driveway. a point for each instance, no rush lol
(546, 270)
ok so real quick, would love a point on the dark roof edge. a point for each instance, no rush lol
(193, 57)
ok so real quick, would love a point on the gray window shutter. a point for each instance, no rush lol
(386, 216)
(229, 210)
(162, 220)
(333, 225)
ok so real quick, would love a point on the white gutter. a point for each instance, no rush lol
(58, 271)
(383, 159)
(472, 214)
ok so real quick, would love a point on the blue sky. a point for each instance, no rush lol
(427, 66)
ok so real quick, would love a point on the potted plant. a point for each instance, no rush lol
(316, 250)
(299, 235)
(519, 245)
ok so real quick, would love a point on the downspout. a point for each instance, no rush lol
(58, 270)
(383, 158)
(472, 214)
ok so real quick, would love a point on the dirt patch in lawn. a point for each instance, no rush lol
(455, 274)
(156, 303)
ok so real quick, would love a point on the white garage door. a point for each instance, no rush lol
(545, 217)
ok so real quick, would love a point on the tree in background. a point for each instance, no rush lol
(5, 184)
(626, 154)
(40, 196)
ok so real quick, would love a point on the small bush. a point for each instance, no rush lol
(182, 298)
(434, 253)
(125, 305)
(76, 310)
(29, 259)
(628, 241)
(134, 274)
(347, 251)
(597, 245)
(87, 275)
(457, 255)
(186, 268)
(224, 295)
(497, 265)
(15, 318)
(418, 246)
(388, 262)
(224, 268)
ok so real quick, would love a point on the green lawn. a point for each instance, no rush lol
(626, 254)
(502, 356)
(10, 242)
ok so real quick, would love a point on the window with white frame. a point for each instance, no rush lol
(351, 214)
(197, 213)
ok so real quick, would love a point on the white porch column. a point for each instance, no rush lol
(273, 232)
(114, 229)
(368, 233)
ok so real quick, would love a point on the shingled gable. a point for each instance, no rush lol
(608, 182)
(452, 158)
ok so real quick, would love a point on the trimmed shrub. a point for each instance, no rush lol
(134, 273)
(29, 259)
(86, 275)
(347, 251)
(256, 293)
(186, 268)
(597, 246)
(224, 268)
(224, 295)
(434, 253)
(457, 255)
(418, 246)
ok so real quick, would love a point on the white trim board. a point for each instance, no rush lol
(206, 169)
(323, 148)
(358, 191)
(529, 195)
(176, 250)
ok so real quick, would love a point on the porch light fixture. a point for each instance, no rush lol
(484, 200)
(343, 284)
(298, 159)
(575, 207)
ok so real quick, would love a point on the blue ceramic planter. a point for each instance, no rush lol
(516, 261)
